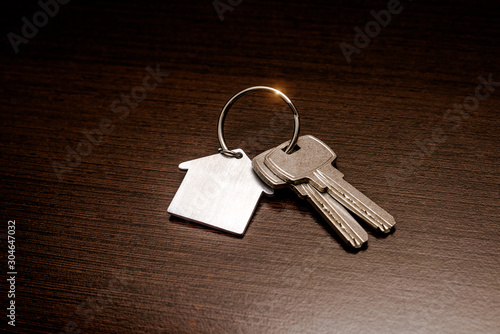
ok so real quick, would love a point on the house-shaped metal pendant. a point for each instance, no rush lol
(219, 191)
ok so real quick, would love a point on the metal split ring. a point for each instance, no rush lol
(220, 125)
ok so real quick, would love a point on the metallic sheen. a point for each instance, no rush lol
(220, 125)
(335, 214)
(219, 191)
(312, 163)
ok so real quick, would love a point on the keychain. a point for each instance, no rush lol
(222, 191)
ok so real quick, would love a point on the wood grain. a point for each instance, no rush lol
(98, 253)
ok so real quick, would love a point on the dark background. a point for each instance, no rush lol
(98, 253)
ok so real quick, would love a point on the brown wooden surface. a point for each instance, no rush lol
(98, 250)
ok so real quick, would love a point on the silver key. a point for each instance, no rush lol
(312, 163)
(336, 216)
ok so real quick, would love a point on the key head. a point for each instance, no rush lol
(265, 174)
(298, 166)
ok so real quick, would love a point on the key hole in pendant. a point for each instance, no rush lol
(295, 149)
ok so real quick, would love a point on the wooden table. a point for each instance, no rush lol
(412, 122)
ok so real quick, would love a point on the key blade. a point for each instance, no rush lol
(336, 216)
(353, 199)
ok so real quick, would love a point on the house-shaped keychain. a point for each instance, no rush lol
(219, 191)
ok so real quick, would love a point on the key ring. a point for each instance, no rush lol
(220, 125)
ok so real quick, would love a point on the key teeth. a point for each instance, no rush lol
(361, 242)
(354, 240)
(335, 186)
(348, 233)
(357, 244)
(386, 227)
